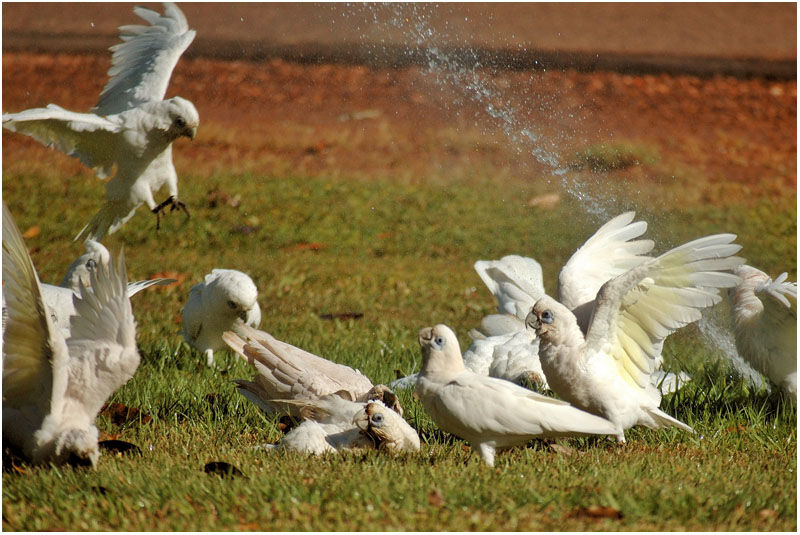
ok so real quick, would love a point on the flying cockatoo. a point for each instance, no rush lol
(332, 424)
(53, 388)
(487, 412)
(287, 373)
(131, 126)
(765, 325)
(608, 371)
(214, 305)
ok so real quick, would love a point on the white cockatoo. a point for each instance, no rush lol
(54, 387)
(287, 373)
(608, 371)
(487, 412)
(516, 282)
(214, 305)
(58, 299)
(332, 424)
(765, 325)
(131, 126)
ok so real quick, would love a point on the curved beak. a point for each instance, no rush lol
(425, 335)
(532, 320)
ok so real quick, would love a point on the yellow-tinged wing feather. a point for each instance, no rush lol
(637, 310)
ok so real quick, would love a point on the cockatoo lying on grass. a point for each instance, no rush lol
(332, 424)
(286, 372)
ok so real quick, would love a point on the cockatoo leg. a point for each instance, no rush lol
(210, 357)
(487, 453)
(174, 204)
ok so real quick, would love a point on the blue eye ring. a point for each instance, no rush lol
(547, 316)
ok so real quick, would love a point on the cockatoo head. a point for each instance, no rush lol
(440, 350)
(78, 446)
(234, 294)
(552, 321)
(183, 118)
(386, 428)
(79, 272)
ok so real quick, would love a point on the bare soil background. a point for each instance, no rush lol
(739, 134)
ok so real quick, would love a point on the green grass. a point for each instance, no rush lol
(401, 254)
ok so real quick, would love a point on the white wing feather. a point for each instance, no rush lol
(142, 64)
(34, 353)
(765, 325)
(102, 343)
(607, 254)
(288, 372)
(85, 136)
(515, 281)
(635, 311)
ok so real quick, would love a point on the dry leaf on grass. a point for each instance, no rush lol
(598, 511)
(31, 232)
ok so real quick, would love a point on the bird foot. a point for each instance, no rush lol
(532, 381)
(174, 204)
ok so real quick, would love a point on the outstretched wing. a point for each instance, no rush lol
(637, 310)
(515, 281)
(85, 136)
(288, 372)
(34, 353)
(142, 64)
(607, 254)
(102, 344)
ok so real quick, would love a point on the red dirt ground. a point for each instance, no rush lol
(356, 119)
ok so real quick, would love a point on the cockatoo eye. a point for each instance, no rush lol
(180, 122)
(547, 316)
(91, 265)
(231, 304)
(438, 342)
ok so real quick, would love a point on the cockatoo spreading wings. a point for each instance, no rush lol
(487, 412)
(765, 325)
(54, 387)
(131, 126)
(608, 370)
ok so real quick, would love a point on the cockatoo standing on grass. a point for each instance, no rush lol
(608, 371)
(54, 387)
(214, 306)
(765, 325)
(131, 127)
(487, 412)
